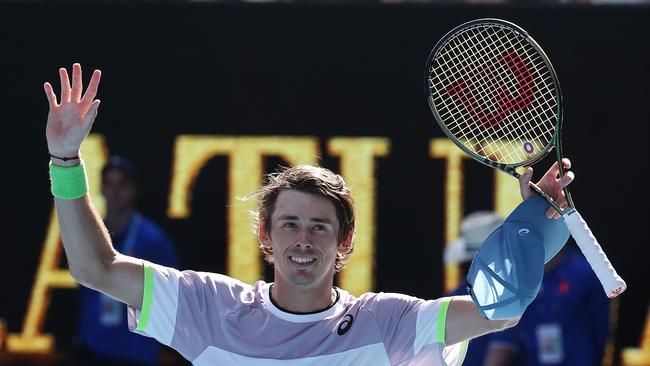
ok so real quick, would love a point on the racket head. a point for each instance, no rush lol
(495, 93)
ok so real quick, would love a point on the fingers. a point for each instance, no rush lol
(551, 213)
(89, 119)
(51, 97)
(553, 173)
(566, 179)
(91, 91)
(77, 83)
(72, 93)
(524, 183)
(566, 163)
(65, 85)
(554, 170)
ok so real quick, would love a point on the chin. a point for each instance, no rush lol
(301, 280)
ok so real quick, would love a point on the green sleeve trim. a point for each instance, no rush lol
(147, 295)
(442, 320)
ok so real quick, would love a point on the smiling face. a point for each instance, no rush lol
(303, 236)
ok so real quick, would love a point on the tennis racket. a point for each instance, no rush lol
(495, 94)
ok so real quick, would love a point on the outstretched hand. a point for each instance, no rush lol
(550, 183)
(70, 120)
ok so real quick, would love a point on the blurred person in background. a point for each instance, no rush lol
(474, 229)
(567, 324)
(103, 331)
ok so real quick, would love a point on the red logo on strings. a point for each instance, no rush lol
(490, 107)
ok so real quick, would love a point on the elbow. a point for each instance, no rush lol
(91, 276)
(85, 276)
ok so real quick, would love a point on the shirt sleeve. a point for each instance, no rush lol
(157, 318)
(414, 330)
(183, 309)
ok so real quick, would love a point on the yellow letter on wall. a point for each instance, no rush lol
(443, 148)
(358, 168)
(506, 193)
(639, 356)
(245, 173)
(49, 275)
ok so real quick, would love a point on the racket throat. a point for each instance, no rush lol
(548, 198)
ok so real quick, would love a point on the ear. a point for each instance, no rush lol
(264, 237)
(346, 244)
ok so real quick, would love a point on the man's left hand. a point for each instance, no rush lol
(550, 183)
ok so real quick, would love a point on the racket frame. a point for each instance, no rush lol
(554, 142)
(612, 283)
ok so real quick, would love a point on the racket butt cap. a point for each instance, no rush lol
(617, 291)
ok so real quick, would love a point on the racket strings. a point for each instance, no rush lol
(493, 90)
(491, 55)
(486, 58)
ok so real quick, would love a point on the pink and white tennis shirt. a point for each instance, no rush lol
(213, 319)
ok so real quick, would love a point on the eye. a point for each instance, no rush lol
(289, 225)
(319, 227)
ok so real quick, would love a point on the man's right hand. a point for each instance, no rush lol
(70, 120)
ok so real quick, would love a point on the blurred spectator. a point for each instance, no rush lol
(104, 335)
(474, 229)
(567, 324)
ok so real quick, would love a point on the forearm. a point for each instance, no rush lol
(464, 321)
(85, 239)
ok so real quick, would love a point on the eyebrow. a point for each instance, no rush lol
(315, 219)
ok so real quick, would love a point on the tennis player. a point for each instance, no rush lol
(306, 228)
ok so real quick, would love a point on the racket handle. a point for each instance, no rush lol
(611, 281)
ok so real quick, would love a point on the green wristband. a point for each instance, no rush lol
(68, 182)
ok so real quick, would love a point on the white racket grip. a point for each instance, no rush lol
(611, 281)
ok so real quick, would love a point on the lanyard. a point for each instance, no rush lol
(129, 241)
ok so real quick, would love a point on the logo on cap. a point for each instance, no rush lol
(524, 232)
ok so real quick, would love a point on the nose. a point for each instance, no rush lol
(303, 241)
(303, 245)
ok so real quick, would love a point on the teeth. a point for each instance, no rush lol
(302, 260)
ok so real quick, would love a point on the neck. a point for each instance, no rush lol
(298, 299)
(117, 219)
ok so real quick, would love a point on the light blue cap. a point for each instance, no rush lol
(506, 273)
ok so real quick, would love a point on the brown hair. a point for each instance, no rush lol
(307, 179)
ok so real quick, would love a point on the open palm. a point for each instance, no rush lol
(69, 120)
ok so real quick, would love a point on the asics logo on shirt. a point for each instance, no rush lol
(345, 325)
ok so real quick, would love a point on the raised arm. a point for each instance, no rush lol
(464, 321)
(93, 261)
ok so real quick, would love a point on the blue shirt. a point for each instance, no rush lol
(103, 322)
(567, 324)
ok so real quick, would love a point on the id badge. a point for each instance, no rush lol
(549, 344)
(111, 311)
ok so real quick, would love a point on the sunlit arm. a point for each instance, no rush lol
(464, 321)
(92, 260)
